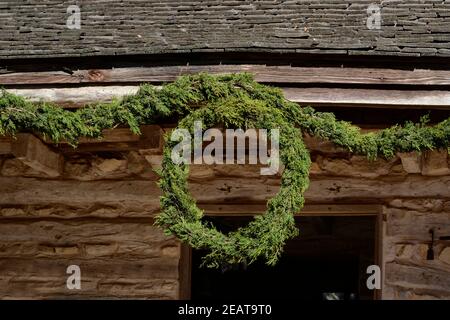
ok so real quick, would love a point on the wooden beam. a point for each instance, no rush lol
(308, 210)
(143, 194)
(34, 153)
(262, 73)
(75, 97)
(151, 140)
(317, 97)
(119, 139)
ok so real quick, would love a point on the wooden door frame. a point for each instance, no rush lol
(340, 210)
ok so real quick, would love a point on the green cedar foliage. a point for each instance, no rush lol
(229, 101)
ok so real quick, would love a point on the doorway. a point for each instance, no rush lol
(327, 261)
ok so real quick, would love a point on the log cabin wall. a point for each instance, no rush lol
(96, 212)
(93, 206)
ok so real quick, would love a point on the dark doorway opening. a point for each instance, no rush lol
(328, 260)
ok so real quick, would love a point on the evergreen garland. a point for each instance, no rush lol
(231, 101)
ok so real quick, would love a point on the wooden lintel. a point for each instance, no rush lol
(34, 153)
(262, 73)
(308, 210)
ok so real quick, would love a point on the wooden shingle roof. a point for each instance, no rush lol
(37, 28)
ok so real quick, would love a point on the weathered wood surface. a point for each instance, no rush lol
(117, 258)
(45, 278)
(127, 239)
(150, 140)
(115, 27)
(76, 97)
(418, 282)
(316, 96)
(99, 213)
(406, 239)
(244, 209)
(34, 153)
(87, 180)
(433, 99)
(117, 140)
(145, 194)
(414, 225)
(262, 73)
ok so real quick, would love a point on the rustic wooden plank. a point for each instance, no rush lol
(34, 153)
(323, 97)
(119, 139)
(111, 135)
(243, 209)
(262, 73)
(39, 278)
(317, 97)
(121, 239)
(130, 194)
(76, 97)
(122, 139)
(410, 224)
(322, 190)
(76, 210)
(147, 211)
(428, 279)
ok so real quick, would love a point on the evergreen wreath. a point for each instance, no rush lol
(231, 101)
(266, 234)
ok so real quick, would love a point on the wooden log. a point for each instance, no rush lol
(373, 98)
(5, 145)
(262, 73)
(151, 138)
(129, 213)
(241, 209)
(422, 277)
(119, 139)
(75, 97)
(154, 278)
(317, 97)
(141, 193)
(78, 210)
(415, 225)
(324, 190)
(34, 153)
(121, 239)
